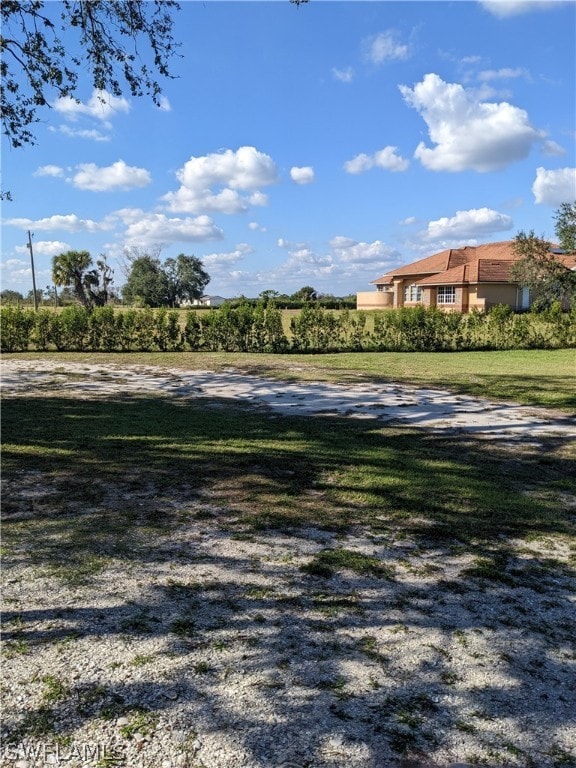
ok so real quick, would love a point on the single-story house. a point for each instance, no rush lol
(205, 301)
(458, 279)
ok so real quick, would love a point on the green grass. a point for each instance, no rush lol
(114, 475)
(54, 689)
(142, 722)
(533, 377)
(109, 477)
(327, 562)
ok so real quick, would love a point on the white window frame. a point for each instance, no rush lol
(446, 294)
(412, 292)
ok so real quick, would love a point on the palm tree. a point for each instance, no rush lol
(91, 286)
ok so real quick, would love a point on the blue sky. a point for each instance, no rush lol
(319, 145)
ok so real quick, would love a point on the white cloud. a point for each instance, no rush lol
(45, 248)
(302, 267)
(504, 8)
(238, 274)
(384, 47)
(223, 260)
(554, 187)
(112, 177)
(186, 200)
(147, 228)
(305, 262)
(15, 263)
(15, 271)
(350, 252)
(258, 198)
(164, 105)
(101, 106)
(408, 221)
(336, 270)
(49, 170)
(67, 222)
(552, 148)
(201, 177)
(255, 227)
(289, 245)
(476, 222)
(473, 59)
(386, 158)
(340, 241)
(506, 73)
(469, 134)
(359, 164)
(74, 133)
(304, 175)
(343, 75)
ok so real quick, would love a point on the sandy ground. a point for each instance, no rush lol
(429, 408)
(202, 648)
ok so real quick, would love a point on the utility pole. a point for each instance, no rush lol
(33, 274)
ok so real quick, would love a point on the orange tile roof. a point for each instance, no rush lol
(452, 276)
(481, 271)
(384, 280)
(489, 263)
(494, 270)
(430, 265)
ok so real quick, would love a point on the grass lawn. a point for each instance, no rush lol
(332, 472)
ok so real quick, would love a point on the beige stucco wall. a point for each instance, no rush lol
(471, 297)
(497, 294)
(400, 285)
(374, 300)
(474, 297)
(474, 301)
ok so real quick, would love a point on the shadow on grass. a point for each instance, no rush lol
(107, 456)
(94, 485)
(557, 391)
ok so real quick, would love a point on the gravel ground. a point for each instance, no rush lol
(216, 649)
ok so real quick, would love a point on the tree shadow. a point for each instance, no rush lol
(206, 516)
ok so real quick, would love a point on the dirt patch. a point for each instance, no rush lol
(187, 640)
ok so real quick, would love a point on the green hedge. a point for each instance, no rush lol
(258, 328)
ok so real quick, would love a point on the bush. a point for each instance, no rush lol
(16, 326)
(257, 327)
(316, 330)
(73, 333)
(168, 337)
(105, 330)
(43, 333)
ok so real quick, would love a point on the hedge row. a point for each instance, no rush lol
(258, 328)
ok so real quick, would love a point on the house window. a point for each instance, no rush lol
(412, 293)
(446, 294)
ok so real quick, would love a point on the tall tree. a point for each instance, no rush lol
(8, 296)
(123, 44)
(306, 293)
(268, 294)
(156, 285)
(539, 269)
(147, 283)
(187, 279)
(565, 227)
(91, 286)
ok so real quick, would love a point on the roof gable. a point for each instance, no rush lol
(430, 265)
(489, 263)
